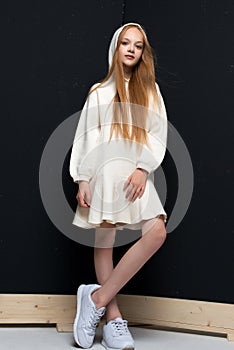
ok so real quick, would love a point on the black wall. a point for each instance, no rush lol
(52, 53)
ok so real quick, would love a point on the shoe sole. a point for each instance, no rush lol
(79, 297)
(125, 348)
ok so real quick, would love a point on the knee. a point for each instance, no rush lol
(160, 231)
(156, 229)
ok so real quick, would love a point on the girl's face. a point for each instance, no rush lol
(131, 48)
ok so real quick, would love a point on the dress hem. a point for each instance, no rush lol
(121, 225)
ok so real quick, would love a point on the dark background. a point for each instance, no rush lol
(52, 52)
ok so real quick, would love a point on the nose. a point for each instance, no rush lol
(131, 48)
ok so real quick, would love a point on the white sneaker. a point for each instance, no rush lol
(116, 335)
(87, 316)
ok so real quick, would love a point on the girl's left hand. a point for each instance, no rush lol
(135, 184)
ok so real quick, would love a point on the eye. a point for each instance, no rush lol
(139, 47)
(124, 43)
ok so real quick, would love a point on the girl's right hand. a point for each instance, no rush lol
(83, 196)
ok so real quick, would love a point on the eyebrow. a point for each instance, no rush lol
(139, 41)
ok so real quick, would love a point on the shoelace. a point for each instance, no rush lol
(120, 327)
(94, 319)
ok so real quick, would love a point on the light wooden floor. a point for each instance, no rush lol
(47, 338)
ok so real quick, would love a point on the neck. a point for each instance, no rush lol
(127, 72)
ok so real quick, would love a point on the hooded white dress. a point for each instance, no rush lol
(107, 165)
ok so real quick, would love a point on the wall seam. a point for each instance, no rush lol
(123, 11)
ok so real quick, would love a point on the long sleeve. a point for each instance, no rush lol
(150, 159)
(82, 167)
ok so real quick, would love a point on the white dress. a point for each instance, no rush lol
(106, 166)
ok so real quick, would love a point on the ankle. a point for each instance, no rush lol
(95, 296)
(112, 310)
(112, 316)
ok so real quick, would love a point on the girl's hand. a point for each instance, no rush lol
(135, 184)
(83, 196)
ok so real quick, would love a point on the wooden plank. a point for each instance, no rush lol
(178, 314)
(64, 327)
(33, 308)
(230, 337)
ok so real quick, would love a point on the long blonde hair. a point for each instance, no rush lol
(141, 87)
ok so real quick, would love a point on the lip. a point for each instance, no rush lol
(130, 57)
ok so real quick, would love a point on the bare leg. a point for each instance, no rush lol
(103, 261)
(131, 263)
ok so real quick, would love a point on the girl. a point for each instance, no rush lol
(119, 142)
